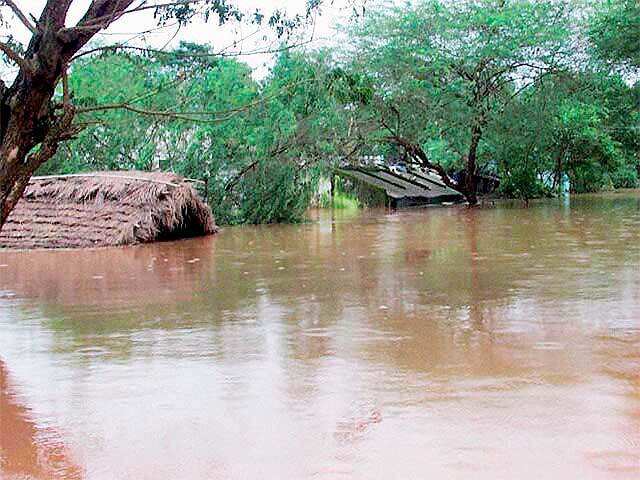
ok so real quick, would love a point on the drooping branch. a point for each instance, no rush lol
(198, 116)
(236, 179)
(173, 54)
(187, 116)
(416, 152)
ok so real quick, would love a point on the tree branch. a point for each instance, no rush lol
(99, 16)
(116, 48)
(141, 8)
(188, 116)
(21, 16)
(66, 96)
(191, 116)
(416, 152)
(15, 57)
(54, 14)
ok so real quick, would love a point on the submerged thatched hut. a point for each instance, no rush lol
(106, 209)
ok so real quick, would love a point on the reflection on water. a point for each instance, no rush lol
(440, 343)
(26, 450)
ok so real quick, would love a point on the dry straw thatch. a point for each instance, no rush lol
(106, 209)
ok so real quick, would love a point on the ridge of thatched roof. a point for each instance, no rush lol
(106, 209)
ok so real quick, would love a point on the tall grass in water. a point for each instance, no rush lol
(341, 201)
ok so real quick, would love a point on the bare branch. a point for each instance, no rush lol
(93, 21)
(141, 8)
(21, 16)
(115, 48)
(99, 16)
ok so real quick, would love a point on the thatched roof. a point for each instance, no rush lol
(106, 209)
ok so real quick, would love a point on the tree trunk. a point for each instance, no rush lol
(471, 182)
(28, 119)
(557, 178)
(32, 124)
(332, 179)
(470, 187)
(11, 189)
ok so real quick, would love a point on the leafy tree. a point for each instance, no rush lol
(584, 125)
(449, 70)
(260, 147)
(504, 86)
(301, 131)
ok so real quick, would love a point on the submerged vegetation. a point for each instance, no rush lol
(340, 201)
(531, 92)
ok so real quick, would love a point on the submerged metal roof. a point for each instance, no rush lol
(404, 185)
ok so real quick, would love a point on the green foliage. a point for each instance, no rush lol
(340, 201)
(626, 176)
(275, 194)
(508, 71)
(445, 72)
(615, 32)
(580, 124)
(431, 73)
(259, 145)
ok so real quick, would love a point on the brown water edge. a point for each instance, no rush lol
(445, 343)
(28, 451)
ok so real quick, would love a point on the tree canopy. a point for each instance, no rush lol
(446, 72)
(615, 31)
(524, 91)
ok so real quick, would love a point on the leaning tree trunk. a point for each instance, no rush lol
(416, 152)
(27, 121)
(32, 122)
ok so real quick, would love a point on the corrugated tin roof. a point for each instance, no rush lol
(399, 185)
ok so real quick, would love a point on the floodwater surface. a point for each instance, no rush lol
(444, 343)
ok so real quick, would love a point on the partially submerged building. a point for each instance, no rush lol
(404, 188)
(106, 209)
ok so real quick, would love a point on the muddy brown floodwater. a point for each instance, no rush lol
(500, 343)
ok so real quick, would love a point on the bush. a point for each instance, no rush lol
(625, 177)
